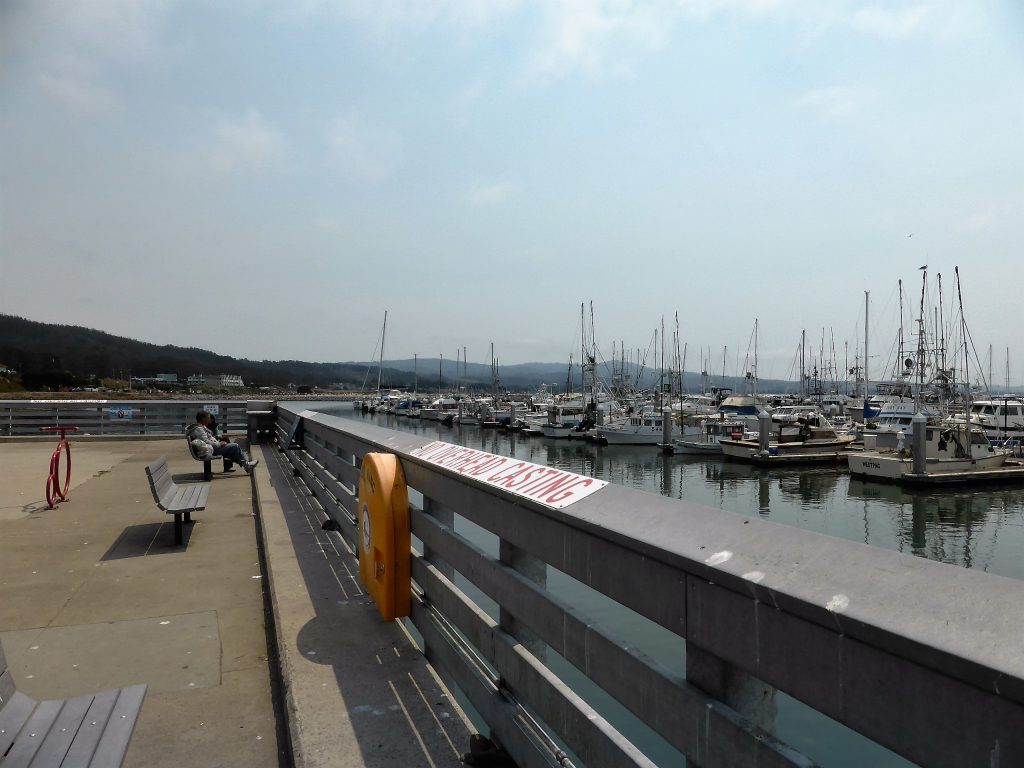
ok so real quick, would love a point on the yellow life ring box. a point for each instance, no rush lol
(384, 535)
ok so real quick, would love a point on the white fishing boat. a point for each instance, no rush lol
(811, 438)
(443, 409)
(708, 440)
(566, 421)
(1002, 418)
(469, 414)
(644, 428)
(951, 449)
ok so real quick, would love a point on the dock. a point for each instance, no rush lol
(257, 644)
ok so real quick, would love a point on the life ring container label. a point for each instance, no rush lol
(554, 488)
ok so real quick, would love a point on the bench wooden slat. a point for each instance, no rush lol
(186, 498)
(159, 470)
(114, 742)
(183, 497)
(13, 716)
(6, 685)
(62, 732)
(163, 486)
(88, 736)
(173, 500)
(88, 730)
(198, 501)
(32, 734)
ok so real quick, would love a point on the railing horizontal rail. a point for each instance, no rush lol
(891, 645)
(24, 417)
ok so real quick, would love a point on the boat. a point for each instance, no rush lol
(644, 428)
(809, 439)
(567, 420)
(1002, 418)
(952, 448)
(469, 413)
(708, 440)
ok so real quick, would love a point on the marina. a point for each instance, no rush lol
(825, 498)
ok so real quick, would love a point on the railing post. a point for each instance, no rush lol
(750, 697)
(446, 517)
(535, 570)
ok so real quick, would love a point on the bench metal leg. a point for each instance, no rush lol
(208, 470)
(177, 528)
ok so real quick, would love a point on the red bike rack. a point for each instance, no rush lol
(55, 491)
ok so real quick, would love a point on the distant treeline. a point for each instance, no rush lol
(48, 356)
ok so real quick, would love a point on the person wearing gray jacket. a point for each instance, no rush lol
(207, 445)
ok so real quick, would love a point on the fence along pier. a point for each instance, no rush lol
(921, 657)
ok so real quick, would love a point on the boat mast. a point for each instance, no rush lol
(921, 341)
(440, 368)
(755, 358)
(967, 375)
(661, 378)
(867, 381)
(380, 368)
(803, 373)
(593, 359)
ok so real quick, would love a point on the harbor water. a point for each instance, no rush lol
(978, 527)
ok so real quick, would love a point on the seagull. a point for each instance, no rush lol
(911, 234)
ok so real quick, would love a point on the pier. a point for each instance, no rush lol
(292, 664)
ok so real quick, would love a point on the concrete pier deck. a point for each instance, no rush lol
(94, 595)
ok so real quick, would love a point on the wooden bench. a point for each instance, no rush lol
(207, 460)
(91, 730)
(178, 500)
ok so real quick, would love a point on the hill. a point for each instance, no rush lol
(50, 356)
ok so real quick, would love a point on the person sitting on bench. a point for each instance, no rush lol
(207, 444)
(218, 432)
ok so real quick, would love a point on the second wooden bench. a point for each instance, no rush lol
(178, 500)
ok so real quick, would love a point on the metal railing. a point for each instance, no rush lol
(116, 417)
(923, 658)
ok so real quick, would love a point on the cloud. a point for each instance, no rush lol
(247, 143)
(590, 35)
(77, 93)
(834, 102)
(889, 23)
(78, 50)
(494, 194)
(364, 151)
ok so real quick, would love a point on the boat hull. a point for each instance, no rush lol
(877, 466)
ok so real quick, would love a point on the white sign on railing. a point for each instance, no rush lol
(119, 413)
(213, 409)
(554, 488)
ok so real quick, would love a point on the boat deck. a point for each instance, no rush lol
(1012, 471)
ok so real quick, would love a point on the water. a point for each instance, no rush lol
(981, 527)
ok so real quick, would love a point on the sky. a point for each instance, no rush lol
(266, 179)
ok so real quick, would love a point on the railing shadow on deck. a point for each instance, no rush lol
(920, 657)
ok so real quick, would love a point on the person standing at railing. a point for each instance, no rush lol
(208, 445)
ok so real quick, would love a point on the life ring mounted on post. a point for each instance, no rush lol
(384, 534)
